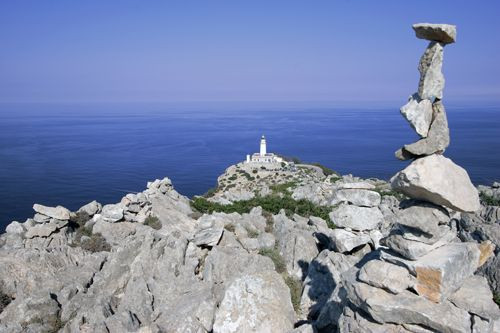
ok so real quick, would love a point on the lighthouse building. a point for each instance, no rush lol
(263, 156)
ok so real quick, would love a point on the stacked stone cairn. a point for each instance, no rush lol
(422, 279)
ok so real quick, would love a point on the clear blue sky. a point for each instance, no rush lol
(125, 51)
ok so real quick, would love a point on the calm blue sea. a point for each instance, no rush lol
(71, 154)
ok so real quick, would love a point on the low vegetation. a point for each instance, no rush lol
(326, 170)
(271, 203)
(295, 287)
(388, 192)
(496, 298)
(153, 222)
(275, 256)
(489, 200)
(83, 236)
(230, 227)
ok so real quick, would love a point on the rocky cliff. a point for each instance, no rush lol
(281, 248)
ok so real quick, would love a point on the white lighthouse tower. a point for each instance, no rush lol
(263, 150)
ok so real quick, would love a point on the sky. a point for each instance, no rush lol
(259, 50)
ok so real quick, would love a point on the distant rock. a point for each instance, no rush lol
(58, 212)
(256, 302)
(437, 179)
(418, 112)
(91, 208)
(15, 228)
(356, 218)
(444, 33)
(112, 213)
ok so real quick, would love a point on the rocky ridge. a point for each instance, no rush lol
(320, 253)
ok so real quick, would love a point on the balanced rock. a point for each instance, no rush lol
(438, 180)
(418, 112)
(356, 218)
(91, 208)
(59, 212)
(431, 83)
(444, 33)
(438, 137)
(423, 216)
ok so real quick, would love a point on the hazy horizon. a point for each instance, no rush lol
(329, 52)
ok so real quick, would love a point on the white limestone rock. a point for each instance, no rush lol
(444, 33)
(387, 276)
(345, 241)
(356, 218)
(423, 216)
(91, 208)
(431, 83)
(407, 308)
(112, 213)
(418, 112)
(475, 296)
(15, 228)
(257, 302)
(58, 212)
(437, 179)
(358, 197)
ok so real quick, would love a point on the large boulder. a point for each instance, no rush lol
(444, 33)
(418, 112)
(59, 212)
(437, 179)
(256, 302)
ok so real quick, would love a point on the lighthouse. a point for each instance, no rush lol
(263, 146)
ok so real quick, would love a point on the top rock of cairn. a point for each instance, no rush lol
(443, 33)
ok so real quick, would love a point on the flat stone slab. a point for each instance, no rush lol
(444, 33)
(356, 218)
(423, 216)
(408, 308)
(438, 180)
(385, 275)
(475, 296)
(359, 197)
(345, 241)
(59, 212)
(442, 271)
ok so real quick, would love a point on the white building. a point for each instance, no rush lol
(263, 156)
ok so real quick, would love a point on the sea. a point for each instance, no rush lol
(72, 153)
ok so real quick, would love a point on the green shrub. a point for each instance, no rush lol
(283, 188)
(263, 168)
(229, 227)
(295, 287)
(326, 170)
(488, 200)
(385, 192)
(210, 192)
(96, 243)
(270, 203)
(269, 221)
(275, 256)
(80, 219)
(252, 233)
(153, 222)
(255, 171)
(4, 300)
(233, 177)
(496, 298)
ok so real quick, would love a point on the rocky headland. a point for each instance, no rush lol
(275, 247)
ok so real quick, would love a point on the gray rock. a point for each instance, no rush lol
(112, 213)
(257, 302)
(40, 218)
(423, 216)
(209, 236)
(44, 230)
(475, 296)
(444, 33)
(91, 208)
(408, 308)
(442, 271)
(431, 83)
(387, 276)
(15, 228)
(318, 223)
(266, 241)
(418, 112)
(345, 241)
(113, 233)
(438, 137)
(358, 197)
(356, 185)
(355, 322)
(437, 179)
(58, 212)
(356, 218)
